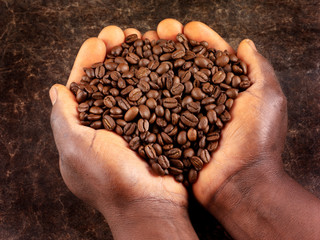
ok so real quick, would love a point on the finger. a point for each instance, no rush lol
(201, 32)
(112, 36)
(151, 35)
(92, 50)
(64, 118)
(169, 28)
(260, 70)
(130, 31)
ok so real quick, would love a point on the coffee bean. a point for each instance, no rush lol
(143, 125)
(218, 77)
(192, 134)
(163, 161)
(108, 122)
(178, 54)
(131, 38)
(213, 136)
(205, 155)
(203, 123)
(197, 94)
(196, 162)
(83, 107)
(225, 116)
(194, 107)
(150, 152)
(176, 163)
(144, 112)
(177, 89)
(212, 146)
(192, 176)
(219, 109)
(129, 129)
(157, 169)
(170, 102)
(135, 94)
(134, 144)
(174, 153)
(189, 119)
(175, 171)
(222, 60)
(93, 117)
(232, 93)
(131, 114)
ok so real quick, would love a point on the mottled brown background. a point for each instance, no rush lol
(38, 44)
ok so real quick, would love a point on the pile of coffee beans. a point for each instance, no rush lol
(168, 99)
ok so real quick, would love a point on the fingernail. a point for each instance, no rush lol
(53, 93)
(250, 42)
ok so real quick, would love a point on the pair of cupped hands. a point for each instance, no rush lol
(99, 168)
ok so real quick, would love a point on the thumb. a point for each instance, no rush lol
(64, 119)
(260, 70)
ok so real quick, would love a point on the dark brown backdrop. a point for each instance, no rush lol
(38, 44)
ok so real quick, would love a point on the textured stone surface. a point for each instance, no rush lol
(38, 44)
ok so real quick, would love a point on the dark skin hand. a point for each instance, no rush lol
(244, 186)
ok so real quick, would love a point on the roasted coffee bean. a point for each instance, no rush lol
(213, 136)
(157, 169)
(144, 112)
(135, 94)
(225, 116)
(108, 122)
(212, 146)
(174, 153)
(192, 176)
(150, 152)
(131, 114)
(163, 161)
(169, 100)
(192, 134)
(194, 107)
(129, 129)
(197, 94)
(189, 119)
(205, 155)
(143, 125)
(203, 123)
(134, 144)
(196, 162)
(176, 163)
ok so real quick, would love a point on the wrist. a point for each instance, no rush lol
(150, 219)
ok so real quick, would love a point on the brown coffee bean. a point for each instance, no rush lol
(123, 104)
(81, 96)
(93, 117)
(96, 110)
(192, 134)
(151, 138)
(131, 114)
(179, 178)
(83, 107)
(144, 112)
(143, 125)
(192, 176)
(129, 129)
(96, 124)
(163, 68)
(135, 94)
(205, 156)
(219, 109)
(212, 146)
(196, 162)
(157, 148)
(163, 161)
(159, 110)
(174, 153)
(157, 169)
(170, 102)
(218, 77)
(232, 93)
(166, 138)
(182, 137)
(177, 89)
(178, 54)
(236, 80)
(150, 152)
(229, 103)
(213, 136)
(134, 144)
(175, 171)
(189, 119)
(225, 116)
(203, 123)
(151, 103)
(194, 107)
(222, 60)
(176, 163)
(108, 122)
(245, 84)
(201, 62)
(197, 94)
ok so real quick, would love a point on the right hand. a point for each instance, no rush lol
(256, 134)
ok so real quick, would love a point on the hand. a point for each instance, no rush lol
(99, 168)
